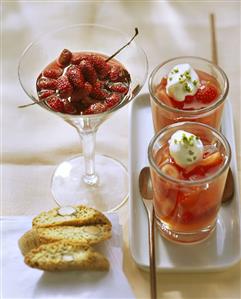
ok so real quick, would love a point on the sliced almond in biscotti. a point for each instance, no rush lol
(76, 216)
(86, 235)
(65, 256)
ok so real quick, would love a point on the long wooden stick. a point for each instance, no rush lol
(213, 39)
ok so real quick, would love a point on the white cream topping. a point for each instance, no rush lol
(182, 81)
(185, 148)
(66, 211)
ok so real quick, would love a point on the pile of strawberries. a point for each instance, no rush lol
(82, 83)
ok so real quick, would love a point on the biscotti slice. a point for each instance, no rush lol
(66, 256)
(76, 216)
(29, 241)
(86, 235)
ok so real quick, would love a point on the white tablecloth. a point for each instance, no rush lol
(34, 141)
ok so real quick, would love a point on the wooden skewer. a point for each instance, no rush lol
(213, 39)
(229, 185)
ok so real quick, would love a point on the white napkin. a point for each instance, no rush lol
(21, 281)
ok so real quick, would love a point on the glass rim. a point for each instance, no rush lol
(130, 95)
(217, 103)
(185, 182)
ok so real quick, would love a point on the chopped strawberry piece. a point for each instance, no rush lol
(45, 93)
(113, 100)
(56, 104)
(64, 87)
(170, 170)
(53, 72)
(88, 71)
(75, 76)
(187, 217)
(46, 83)
(207, 93)
(64, 58)
(189, 99)
(163, 82)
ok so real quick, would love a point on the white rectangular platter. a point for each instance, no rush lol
(221, 250)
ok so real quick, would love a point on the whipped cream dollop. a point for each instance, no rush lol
(185, 148)
(182, 81)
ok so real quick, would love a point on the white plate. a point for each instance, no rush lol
(221, 250)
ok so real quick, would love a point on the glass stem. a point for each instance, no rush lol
(88, 144)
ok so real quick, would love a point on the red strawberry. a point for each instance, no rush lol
(46, 83)
(98, 92)
(64, 87)
(65, 57)
(45, 93)
(96, 108)
(69, 107)
(56, 104)
(189, 99)
(118, 87)
(88, 71)
(77, 57)
(87, 101)
(113, 100)
(88, 88)
(75, 76)
(118, 74)
(53, 72)
(101, 66)
(207, 93)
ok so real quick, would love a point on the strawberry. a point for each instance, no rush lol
(45, 93)
(118, 87)
(113, 100)
(100, 66)
(118, 74)
(98, 92)
(77, 57)
(75, 76)
(96, 108)
(46, 83)
(88, 88)
(64, 57)
(56, 104)
(207, 93)
(64, 87)
(69, 107)
(88, 71)
(53, 72)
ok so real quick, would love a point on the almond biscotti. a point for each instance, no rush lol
(29, 241)
(74, 216)
(84, 235)
(65, 256)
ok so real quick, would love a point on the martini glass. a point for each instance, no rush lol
(97, 181)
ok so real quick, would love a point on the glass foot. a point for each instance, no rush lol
(108, 194)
